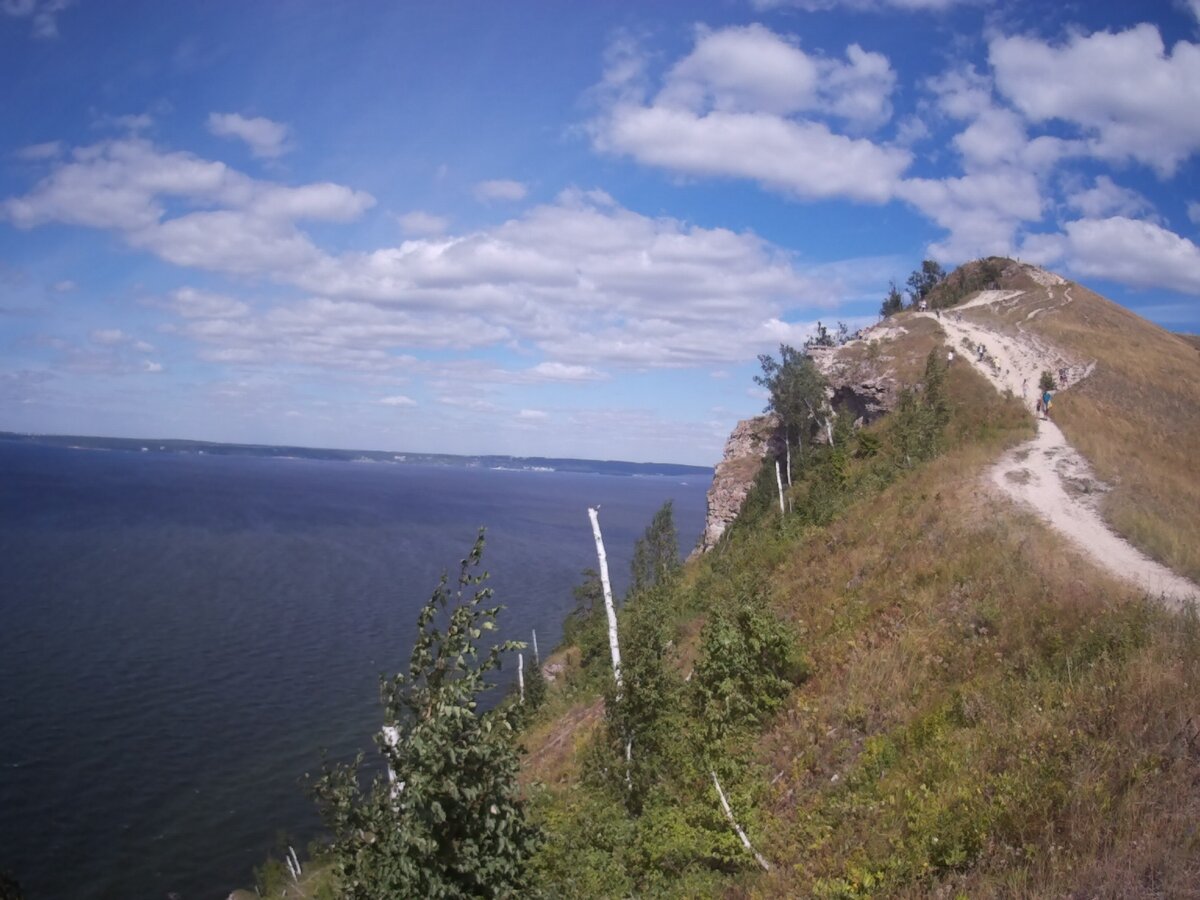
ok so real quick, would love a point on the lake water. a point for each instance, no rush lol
(181, 635)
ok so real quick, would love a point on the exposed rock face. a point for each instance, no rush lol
(751, 441)
(861, 383)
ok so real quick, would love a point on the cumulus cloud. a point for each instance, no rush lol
(194, 304)
(265, 138)
(421, 223)
(864, 5)
(500, 190)
(397, 400)
(1129, 251)
(559, 371)
(981, 210)
(43, 14)
(1107, 198)
(753, 70)
(124, 185)
(1124, 91)
(743, 103)
(535, 415)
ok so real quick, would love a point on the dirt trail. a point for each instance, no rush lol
(1047, 473)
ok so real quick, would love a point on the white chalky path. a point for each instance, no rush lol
(1047, 474)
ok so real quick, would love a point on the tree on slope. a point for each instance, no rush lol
(446, 820)
(893, 302)
(797, 390)
(656, 552)
(924, 280)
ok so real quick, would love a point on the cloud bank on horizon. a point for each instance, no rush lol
(427, 230)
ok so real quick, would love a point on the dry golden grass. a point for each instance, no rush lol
(1136, 418)
(942, 629)
(988, 714)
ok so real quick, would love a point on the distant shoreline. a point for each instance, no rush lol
(267, 451)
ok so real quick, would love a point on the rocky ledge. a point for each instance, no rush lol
(751, 441)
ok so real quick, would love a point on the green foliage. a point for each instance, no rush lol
(452, 824)
(656, 552)
(983, 274)
(797, 389)
(924, 280)
(893, 302)
(824, 339)
(535, 688)
(1046, 381)
(585, 627)
(919, 420)
(638, 714)
(749, 663)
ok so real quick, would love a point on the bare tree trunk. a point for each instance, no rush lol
(391, 735)
(737, 828)
(779, 482)
(295, 858)
(537, 660)
(613, 644)
(829, 430)
(787, 444)
(521, 675)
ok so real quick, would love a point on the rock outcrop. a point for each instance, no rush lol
(750, 442)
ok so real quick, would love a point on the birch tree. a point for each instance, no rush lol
(447, 820)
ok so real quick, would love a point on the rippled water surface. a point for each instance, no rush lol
(180, 635)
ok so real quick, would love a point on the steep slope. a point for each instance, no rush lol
(1132, 408)
(982, 711)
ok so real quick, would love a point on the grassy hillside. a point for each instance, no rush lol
(905, 689)
(1136, 418)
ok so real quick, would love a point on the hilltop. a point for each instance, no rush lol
(915, 680)
(982, 710)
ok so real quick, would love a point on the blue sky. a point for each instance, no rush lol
(548, 228)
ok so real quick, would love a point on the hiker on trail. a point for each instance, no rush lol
(1039, 407)
(1025, 387)
(1047, 398)
(1062, 377)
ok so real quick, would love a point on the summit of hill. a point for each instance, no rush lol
(942, 645)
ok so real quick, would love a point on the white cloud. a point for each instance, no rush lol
(123, 185)
(751, 69)
(421, 223)
(40, 152)
(43, 14)
(559, 371)
(1107, 198)
(1124, 91)
(108, 337)
(63, 287)
(397, 400)
(864, 5)
(266, 139)
(801, 158)
(502, 190)
(1193, 208)
(736, 106)
(193, 304)
(1129, 251)
(152, 367)
(981, 210)
(535, 415)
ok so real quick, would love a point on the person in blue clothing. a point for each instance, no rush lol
(1047, 397)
